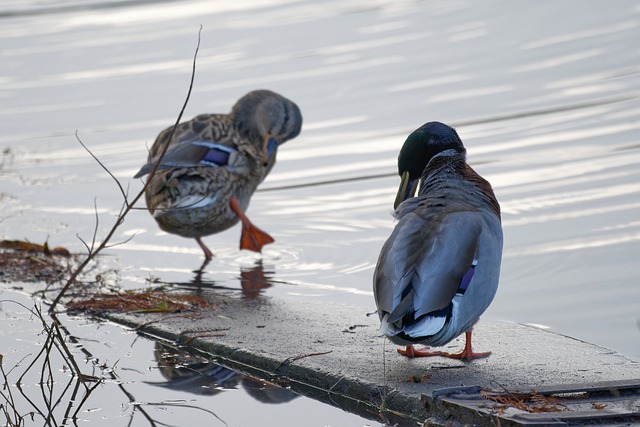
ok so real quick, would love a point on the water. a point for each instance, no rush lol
(545, 96)
(145, 382)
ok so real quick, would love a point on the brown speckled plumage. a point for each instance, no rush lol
(190, 194)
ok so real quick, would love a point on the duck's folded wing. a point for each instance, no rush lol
(188, 151)
(448, 259)
(421, 265)
(193, 143)
(183, 155)
(396, 266)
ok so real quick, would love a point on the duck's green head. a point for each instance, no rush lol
(420, 147)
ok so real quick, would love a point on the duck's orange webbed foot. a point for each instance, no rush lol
(467, 353)
(411, 351)
(251, 238)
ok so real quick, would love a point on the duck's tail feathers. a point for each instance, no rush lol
(426, 326)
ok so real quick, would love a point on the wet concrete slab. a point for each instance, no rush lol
(335, 353)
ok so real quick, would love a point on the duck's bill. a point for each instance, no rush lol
(269, 148)
(407, 189)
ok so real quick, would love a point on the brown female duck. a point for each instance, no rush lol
(214, 163)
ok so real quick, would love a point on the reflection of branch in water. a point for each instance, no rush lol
(84, 399)
(182, 405)
(72, 395)
(9, 409)
(137, 406)
(54, 339)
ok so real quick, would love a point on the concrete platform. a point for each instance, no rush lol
(335, 354)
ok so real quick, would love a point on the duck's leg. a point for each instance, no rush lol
(467, 353)
(252, 237)
(411, 351)
(207, 252)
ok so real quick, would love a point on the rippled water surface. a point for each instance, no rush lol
(544, 94)
(145, 383)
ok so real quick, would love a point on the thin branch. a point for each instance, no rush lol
(121, 243)
(132, 400)
(46, 366)
(70, 402)
(84, 399)
(130, 205)
(125, 203)
(84, 243)
(55, 339)
(182, 405)
(124, 195)
(64, 350)
(18, 363)
(74, 395)
(95, 229)
(9, 399)
(33, 362)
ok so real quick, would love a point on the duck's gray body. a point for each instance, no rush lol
(439, 269)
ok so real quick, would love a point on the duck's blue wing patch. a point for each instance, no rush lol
(217, 155)
(466, 279)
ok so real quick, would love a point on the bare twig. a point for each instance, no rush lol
(84, 243)
(13, 418)
(133, 401)
(84, 398)
(287, 362)
(128, 206)
(95, 230)
(55, 343)
(183, 405)
(124, 194)
(127, 240)
(63, 349)
(293, 359)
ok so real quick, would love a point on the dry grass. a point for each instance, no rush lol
(530, 402)
(141, 302)
(27, 262)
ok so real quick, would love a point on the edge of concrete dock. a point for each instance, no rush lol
(335, 354)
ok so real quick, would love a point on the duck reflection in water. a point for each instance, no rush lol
(253, 281)
(185, 371)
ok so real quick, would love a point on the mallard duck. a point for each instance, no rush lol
(439, 269)
(214, 163)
